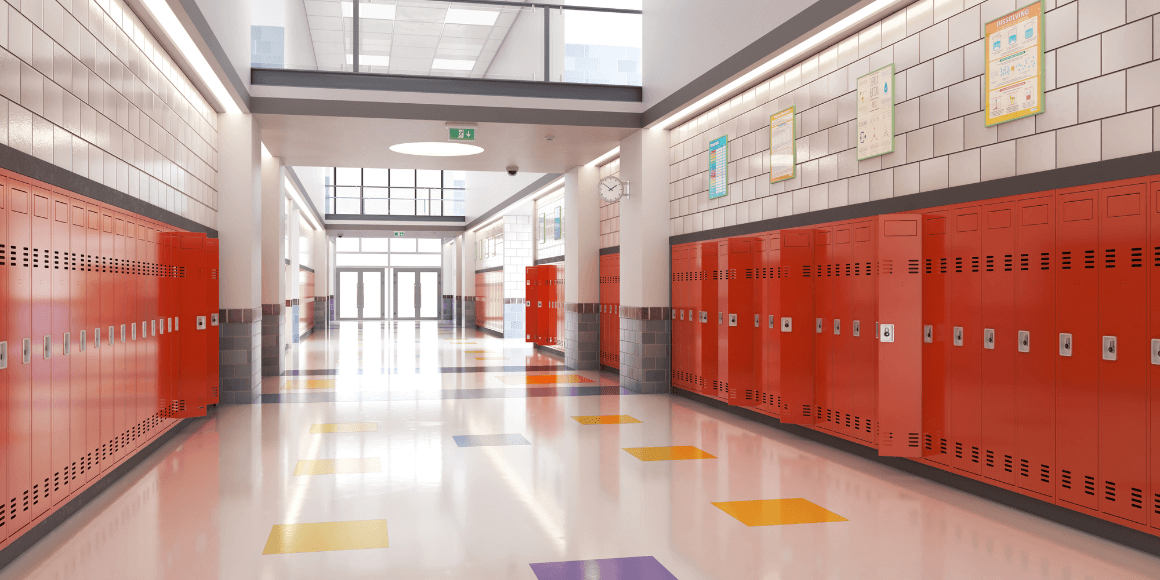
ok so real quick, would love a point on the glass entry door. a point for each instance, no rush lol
(416, 292)
(361, 293)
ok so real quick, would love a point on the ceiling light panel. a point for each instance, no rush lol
(477, 17)
(453, 64)
(436, 149)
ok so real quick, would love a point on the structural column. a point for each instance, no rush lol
(465, 281)
(517, 256)
(645, 330)
(273, 244)
(240, 232)
(322, 266)
(293, 275)
(582, 268)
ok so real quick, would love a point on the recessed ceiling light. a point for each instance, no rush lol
(436, 149)
(375, 11)
(369, 59)
(478, 17)
(451, 64)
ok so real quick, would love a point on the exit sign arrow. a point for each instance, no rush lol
(461, 134)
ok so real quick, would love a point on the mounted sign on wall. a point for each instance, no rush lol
(1015, 67)
(876, 113)
(719, 167)
(782, 146)
(400, 234)
(460, 134)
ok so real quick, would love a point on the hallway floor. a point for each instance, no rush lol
(415, 450)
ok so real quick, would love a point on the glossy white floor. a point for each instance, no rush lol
(205, 504)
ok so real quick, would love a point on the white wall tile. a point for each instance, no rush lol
(819, 197)
(907, 53)
(1144, 86)
(948, 137)
(1035, 153)
(906, 116)
(42, 138)
(906, 180)
(3, 121)
(998, 161)
(920, 79)
(1077, 144)
(919, 16)
(964, 28)
(9, 74)
(1017, 128)
(1127, 46)
(784, 204)
(1126, 135)
(858, 189)
(944, 9)
(801, 200)
(992, 9)
(882, 184)
(31, 89)
(894, 28)
(1082, 62)
(975, 133)
(768, 207)
(973, 59)
(964, 98)
(1062, 26)
(1141, 8)
(933, 41)
(1096, 16)
(920, 144)
(934, 107)
(19, 34)
(933, 174)
(870, 40)
(948, 69)
(964, 168)
(898, 156)
(1061, 109)
(839, 193)
(1156, 129)
(1102, 97)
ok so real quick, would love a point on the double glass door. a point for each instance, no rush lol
(416, 292)
(360, 293)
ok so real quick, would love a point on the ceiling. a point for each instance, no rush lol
(360, 142)
(409, 36)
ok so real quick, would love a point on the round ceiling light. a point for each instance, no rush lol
(436, 149)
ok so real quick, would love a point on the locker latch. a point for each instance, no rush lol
(4, 354)
(27, 351)
(928, 334)
(213, 319)
(133, 331)
(539, 304)
(682, 314)
(787, 324)
(887, 333)
(818, 325)
(67, 343)
(720, 318)
(47, 346)
(857, 328)
(122, 334)
(989, 338)
(1155, 351)
(958, 339)
(111, 335)
(837, 327)
(732, 320)
(772, 321)
(84, 339)
(528, 303)
(1064, 344)
(97, 338)
(176, 325)
(674, 314)
(200, 323)
(1024, 341)
(756, 321)
(1109, 348)
(704, 317)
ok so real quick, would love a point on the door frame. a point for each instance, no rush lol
(418, 295)
(359, 307)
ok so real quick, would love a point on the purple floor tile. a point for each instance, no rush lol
(637, 568)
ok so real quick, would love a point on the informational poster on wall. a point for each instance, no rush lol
(719, 167)
(1015, 68)
(876, 113)
(782, 146)
(558, 223)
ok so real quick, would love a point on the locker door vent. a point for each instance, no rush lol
(1089, 485)
(912, 440)
(829, 415)
(1155, 505)
(858, 268)
(887, 440)
(990, 264)
(857, 423)
(1110, 490)
(990, 458)
(1066, 259)
(1025, 468)
(1137, 257)
(1024, 264)
(959, 450)
(848, 269)
(35, 493)
(806, 271)
(1089, 259)
(1110, 258)
(912, 266)
(959, 265)
(1008, 263)
(974, 263)
(847, 420)
(929, 443)
(1008, 464)
(974, 454)
(807, 411)
(1044, 261)
(886, 267)
(1137, 498)
(1156, 256)
(944, 445)
(928, 261)
(56, 480)
(1044, 473)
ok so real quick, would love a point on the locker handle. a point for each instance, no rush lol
(176, 326)
(97, 338)
(111, 335)
(133, 331)
(4, 354)
(27, 351)
(122, 334)
(67, 345)
(47, 346)
(83, 339)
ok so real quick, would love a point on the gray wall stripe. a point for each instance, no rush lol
(429, 112)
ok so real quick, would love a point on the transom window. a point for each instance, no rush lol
(395, 192)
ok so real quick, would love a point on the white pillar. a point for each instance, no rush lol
(466, 282)
(273, 247)
(294, 289)
(582, 268)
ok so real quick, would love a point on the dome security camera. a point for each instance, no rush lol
(513, 170)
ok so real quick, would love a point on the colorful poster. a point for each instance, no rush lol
(1015, 68)
(559, 218)
(719, 167)
(782, 146)
(876, 113)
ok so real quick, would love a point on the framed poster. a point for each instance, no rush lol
(876, 113)
(719, 167)
(782, 146)
(1013, 49)
(559, 216)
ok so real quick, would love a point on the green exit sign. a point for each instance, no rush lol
(399, 234)
(461, 134)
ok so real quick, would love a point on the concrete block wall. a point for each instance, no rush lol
(240, 356)
(86, 87)
(645, 335)
(610, 212)
(1102, 93)
(582, 336)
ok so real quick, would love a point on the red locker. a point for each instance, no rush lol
(20, 347)
(190, 327)
(997, 374)
(797, 326)
(720, 387)
(900, 335)
(839, 330)
(1036, 348)
(966, 340)
(760, 317)
(531, 283)
(936, 337)
(42, 464)
(146, 387)
(864, 314)
(1154, 323)
(93, 386)
(615, 326)
(8, 261)
(677, 274)
(743, 322)
(1123, 386)
(60, 363)
(165, 335)
(1077, 347)
(697, 329)
(212, 251)
(133, 385)
(820, 326)
(771, 327)
(708, 318)
(78, 351)
(123, 410)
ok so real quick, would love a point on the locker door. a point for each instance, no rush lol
(212, 256)
(93, 388)
(8, 262)
(900, 336)
(1035, 361)
(616, 309)
(820, 326)
(190, 332)
(697, 329)
(122, 397)
(997, 375)
(741, 322)
(1123, 390)
(864, 315)
(839, 330)
(708, 318)
(19, 496)
(133, 412)
(966, 340)
(1077, 316)
(78, 362)
(146, 402)
(154, 312)
(720, 320)
(529, 303)
(676, 259)
(60, 363)
(936, 337)
(771, 327)
(797, 326)
(108, 349)
(42, 463)
(165, 335)
(1154, 379)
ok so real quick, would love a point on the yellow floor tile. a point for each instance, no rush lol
(326, 536)
(778, 512)
(543, 379)
(343, 427)
(605, 419)
(338, 466)
(668, 453)
(310, 384)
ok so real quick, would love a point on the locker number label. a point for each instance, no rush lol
(787, 324)
(837, 327)
(674, 314)
(989, 338)
(887, 333)
(1024, 341)
(857, 328)
(1109, 348)
(958, 336)
(818, 325)
(1065, 344)
(732, 320)
(928, 334)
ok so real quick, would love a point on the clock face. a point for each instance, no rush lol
(611, 188)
